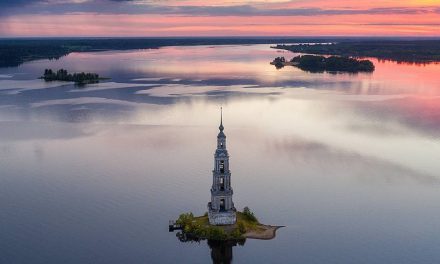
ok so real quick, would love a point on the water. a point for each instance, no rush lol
(349, 163)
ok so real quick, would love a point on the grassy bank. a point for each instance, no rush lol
(247, 223)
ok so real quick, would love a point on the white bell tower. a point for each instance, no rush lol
(221, 209)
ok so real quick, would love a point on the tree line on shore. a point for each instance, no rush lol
(14, 52)
(407, 51)
(63, 75)
(314, 63)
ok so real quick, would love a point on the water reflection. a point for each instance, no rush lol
(221, 251)
(94, 172)
(220, 73)
(366, 169)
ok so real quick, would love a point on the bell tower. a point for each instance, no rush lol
(221, 210)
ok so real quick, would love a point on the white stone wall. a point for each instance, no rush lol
(222, 218)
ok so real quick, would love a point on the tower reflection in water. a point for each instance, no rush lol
(221, 251)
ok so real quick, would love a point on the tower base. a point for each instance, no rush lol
(221, 218)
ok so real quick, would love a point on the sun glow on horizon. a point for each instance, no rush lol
(222, 18)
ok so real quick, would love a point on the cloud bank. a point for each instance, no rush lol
(17, 17)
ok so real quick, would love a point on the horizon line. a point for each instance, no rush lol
(224, 36)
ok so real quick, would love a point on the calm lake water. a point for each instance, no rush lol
(349, 163)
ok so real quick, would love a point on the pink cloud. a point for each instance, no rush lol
(368, 23)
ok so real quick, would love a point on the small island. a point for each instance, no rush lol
(315, 63)
(246, 226)
(78, 78)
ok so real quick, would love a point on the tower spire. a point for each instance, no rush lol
(221, 119)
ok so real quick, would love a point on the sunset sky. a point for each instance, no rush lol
(20, 18)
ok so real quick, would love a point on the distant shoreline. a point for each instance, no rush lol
(16, 51)
(410, 51)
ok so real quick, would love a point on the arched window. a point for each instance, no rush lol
(222, 204)
(222, 166)
(222, 183)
